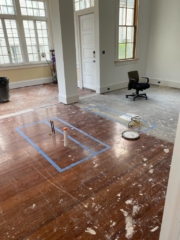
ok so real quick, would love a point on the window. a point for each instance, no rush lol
(6, 7)
(24, 37)
(36, 43)
(32, 8)
(13, 40)
(82, 4)
(127, 29)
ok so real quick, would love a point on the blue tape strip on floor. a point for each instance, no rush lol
(93, 154)
(117, 113)
(39, 150)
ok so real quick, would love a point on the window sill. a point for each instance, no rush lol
(126, 62)
(23, 65)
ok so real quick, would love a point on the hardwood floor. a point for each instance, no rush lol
(34, 97)
(118, 193)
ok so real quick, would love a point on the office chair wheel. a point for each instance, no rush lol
(126, 96)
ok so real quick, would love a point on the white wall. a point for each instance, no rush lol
(170, 228)
(164, 49)
(111, 74)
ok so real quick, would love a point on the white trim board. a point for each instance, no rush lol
(166, 83)
(32, 82)
(112, 87)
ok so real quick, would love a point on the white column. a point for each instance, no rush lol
(62, 17)
(170, 228)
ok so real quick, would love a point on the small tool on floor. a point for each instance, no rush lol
(65, 136)
(52, 126)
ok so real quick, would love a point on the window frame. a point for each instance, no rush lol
(135, 43)
(18, 17)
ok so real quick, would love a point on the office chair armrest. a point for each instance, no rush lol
(132, 79)
(146, 78)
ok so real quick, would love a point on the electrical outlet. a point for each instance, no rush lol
(159, 82)
(108, 88)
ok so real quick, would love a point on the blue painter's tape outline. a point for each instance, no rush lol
(117, 113)
(93, 154)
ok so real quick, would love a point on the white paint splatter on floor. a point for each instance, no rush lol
(145, 159)
(129, 224)
(118, 195)
(151, 170)
(124, 212)
(135, 209)
(154, 229)
(113, 224)
(33, 206)
(90, 231)
(129, 201)
(166, 150)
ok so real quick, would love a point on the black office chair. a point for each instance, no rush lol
(134, 84)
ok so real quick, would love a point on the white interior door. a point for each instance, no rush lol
(88, 51)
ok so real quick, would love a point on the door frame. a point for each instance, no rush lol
(77, 16)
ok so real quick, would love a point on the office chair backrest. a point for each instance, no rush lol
(133, 75)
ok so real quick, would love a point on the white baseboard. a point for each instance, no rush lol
(166, 83)
(32, 82)
(68, 99)
(111, 87)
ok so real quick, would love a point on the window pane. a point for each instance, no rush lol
(6, 7)
(4, 57)
(13, 40)
(92, 3)
(122, 49)
(122, 34)
(82, 4)
(122, 3)
(130, 17)
(129, 50)
(130, 3)
(77, 6)
(130, 34)
(87, 3)
(122, 16)
(32, 8)
(31, 42)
